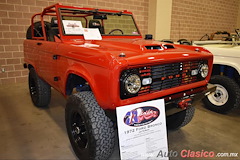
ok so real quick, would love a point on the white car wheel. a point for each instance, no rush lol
(219, 97)
(226, 96)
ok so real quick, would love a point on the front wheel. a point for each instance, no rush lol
(180, 119)
(226, 96)
(90, 131)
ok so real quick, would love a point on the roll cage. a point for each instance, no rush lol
(57, 9)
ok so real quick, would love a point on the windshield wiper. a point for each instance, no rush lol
(94, 11)
(119, 13)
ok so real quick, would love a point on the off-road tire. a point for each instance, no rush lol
(180, 119)
(90, 131)
(37, 29)
(39, 90)
(233, 92)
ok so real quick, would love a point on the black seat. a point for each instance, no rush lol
(96, 24)
(54, 29)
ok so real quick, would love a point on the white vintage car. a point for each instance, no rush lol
(225, 74)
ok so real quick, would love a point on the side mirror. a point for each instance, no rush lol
(148, 36)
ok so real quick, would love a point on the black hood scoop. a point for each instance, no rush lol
(153, 47)
(160, 47)
(168, 46)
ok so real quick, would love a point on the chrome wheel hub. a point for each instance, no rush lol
(219, 97)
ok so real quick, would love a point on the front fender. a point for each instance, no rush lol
(97, 78)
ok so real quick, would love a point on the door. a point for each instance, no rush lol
(47, 62)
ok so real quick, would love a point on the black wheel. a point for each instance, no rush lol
(39, 90)
(90, 131)
(37, 29)
(226, 96)
(180, 119)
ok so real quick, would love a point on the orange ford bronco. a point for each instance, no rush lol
(99, 60)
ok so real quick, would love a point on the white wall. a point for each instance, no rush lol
(159, 21)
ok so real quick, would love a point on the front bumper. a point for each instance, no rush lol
(172, 106)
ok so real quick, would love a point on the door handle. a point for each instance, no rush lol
(39, 43)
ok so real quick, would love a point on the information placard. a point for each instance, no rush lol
(92, 34)
(72, 27)
(142, 131)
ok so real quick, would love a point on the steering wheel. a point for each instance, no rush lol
(115, 30)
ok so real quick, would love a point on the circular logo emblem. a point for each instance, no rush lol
(141, 116)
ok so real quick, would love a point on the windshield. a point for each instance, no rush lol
(74, 21)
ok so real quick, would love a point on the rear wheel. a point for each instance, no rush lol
(180, 119)
(226, 96)
(90, 131)
(39, 90)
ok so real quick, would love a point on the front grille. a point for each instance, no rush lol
(170, 75)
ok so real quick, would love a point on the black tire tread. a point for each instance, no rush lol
(101, 127)
(188, 116)
(180, 119)
(37, 28)
(43, 90)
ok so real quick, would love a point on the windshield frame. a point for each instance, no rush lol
(90, 13)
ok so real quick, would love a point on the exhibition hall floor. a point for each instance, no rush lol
(27, 132)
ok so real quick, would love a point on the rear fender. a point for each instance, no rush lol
(30, 63)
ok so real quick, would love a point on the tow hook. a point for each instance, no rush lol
(185, 103)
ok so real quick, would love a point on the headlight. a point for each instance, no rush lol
(204, 70)
(132, 83)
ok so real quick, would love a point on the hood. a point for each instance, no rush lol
(140, 51)
(224, 50)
